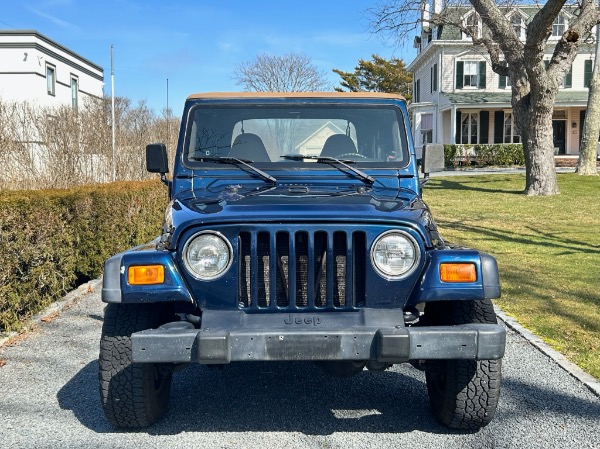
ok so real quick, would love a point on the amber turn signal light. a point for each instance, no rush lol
(146, 274)
(458, 272)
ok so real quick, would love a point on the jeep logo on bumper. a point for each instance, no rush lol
(291, 319)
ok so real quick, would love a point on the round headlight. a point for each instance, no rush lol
(207, 255)
(395, 254)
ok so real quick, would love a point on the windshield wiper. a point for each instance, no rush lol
(237, 162)
(333, 161)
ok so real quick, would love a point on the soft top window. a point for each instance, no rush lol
(370, 134)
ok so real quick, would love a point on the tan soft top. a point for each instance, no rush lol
(235, 95)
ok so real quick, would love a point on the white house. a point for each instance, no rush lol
(36, 69)
(457, 98)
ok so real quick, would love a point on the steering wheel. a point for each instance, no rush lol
(351, 155)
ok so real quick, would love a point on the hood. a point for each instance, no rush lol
(294, 203)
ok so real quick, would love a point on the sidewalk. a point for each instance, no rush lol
(492, 171)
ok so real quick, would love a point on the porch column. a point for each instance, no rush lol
(453, 125)
(439, 126)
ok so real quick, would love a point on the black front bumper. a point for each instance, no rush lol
(371, 334)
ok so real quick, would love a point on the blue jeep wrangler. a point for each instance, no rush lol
(297, 230)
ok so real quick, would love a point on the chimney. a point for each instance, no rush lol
(437, 6)
(425, 14)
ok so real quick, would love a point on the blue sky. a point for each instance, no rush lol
(197, 44)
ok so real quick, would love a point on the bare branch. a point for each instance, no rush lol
(63, 147)
(293, 72)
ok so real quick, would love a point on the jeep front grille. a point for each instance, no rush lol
(301, 270)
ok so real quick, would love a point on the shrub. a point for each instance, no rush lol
(51, 238)
(450, 155)
(493, 154)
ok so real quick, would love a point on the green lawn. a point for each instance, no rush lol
(548, 252)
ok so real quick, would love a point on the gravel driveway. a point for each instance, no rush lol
(49, 399)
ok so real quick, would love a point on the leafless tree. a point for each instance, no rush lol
(292, 72)
(166, 130)
(534, 85)
(63, 147)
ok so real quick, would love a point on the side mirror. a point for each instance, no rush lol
(433, 158)
(156, 158)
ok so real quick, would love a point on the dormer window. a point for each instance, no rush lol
(516, 22)
(473, 24)
(558, 27)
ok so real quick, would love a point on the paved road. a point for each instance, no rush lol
(49, 399)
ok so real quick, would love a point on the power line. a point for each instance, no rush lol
(8, 24)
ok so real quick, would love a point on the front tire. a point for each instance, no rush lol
(133, 395)
(463, 393)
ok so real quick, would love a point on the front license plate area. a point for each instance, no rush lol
(303, 347)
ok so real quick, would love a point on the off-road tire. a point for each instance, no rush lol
(133, 395)
(463, 393)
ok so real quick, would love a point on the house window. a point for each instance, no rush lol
(417, 91)
(567, 81)
(426, 128)
(516, 21)
(503, 81)
(510, 133)
(472, 24)
(434, 78)
(468, 127)
(470, 74)
(587, 72)
(559, 114)
(558, 27)
(74, 92)
(50, 79)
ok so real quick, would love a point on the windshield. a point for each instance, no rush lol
(270, 134)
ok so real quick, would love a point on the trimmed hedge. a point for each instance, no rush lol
(501, 154)
(49, 239)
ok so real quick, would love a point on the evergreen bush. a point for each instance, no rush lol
(50, 239)
(500, 155)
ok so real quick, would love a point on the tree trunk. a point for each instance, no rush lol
(540, 172)
(586, 163)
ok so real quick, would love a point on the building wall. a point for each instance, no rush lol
(451, 56)
(424, 76)
(446, 59)
(24, 58)
(437, 103)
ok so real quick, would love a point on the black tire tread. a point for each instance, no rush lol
(471, 395)
(124, 386)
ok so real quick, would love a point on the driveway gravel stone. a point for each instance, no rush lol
(49, 399)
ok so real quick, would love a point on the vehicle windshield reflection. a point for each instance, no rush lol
(274, 134)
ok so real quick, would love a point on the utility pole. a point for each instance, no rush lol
(112, 90)
(168, 119)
